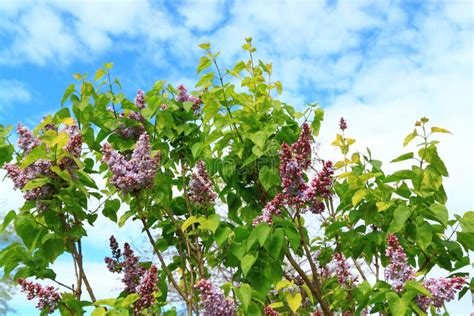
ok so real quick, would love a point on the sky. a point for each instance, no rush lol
(380, 64)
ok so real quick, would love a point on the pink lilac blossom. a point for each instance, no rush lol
(271, 208)
(134, 131)
(319, 189)
(213, 301)
(442, 290)
(146, 290)
(27, 140)
(268, 311)
(20, 177)
(342, 123)
(183, 96)
(134, 174)
(48, 297)
(200, 186)
(398, 271)
(74, 143)
(140, 99)
(126, 263)
(296, 193)
(342, 270)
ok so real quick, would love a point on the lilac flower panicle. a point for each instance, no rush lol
(296, 193)
(342, 123)
(200, 186)
(134, 174)
(26, 140)
(140, 99)
(183, 96)
(48, 296)
(342, 270)
(398, 270)
(126, 263)
(213, 301)
(268, 311)
(146, 290)
(74, 144)
(442, 290)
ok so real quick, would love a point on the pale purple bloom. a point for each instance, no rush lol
(183, 96)
(442, 290)
(27, 140)
(213, 301)
(146, 290)
(48, 297)
(134, 174)
(343, 272)
(200, 186)
(342, 123)
(398, 271)
(140, 99)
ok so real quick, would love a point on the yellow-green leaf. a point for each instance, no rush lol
(99, 74)
(188, 222)
(283, 284)
(294, 301)
(382, 206)
(435, 129)
(358, 196)
(409, 137)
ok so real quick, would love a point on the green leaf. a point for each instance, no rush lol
(244, 293)
(410, 137)
(123, 219)
(440, 213)
(108, 65)
(293, 236)
(35, 154)
(99, 74)
(268, 177)
(188, 222)
(435, 129)
(36, 183)
(358, 196)
(7, 220)
(417, 287)
(247, 263)
(278, 87)
(204, 63)
(382, 206)
(126, 301)
(424, 234)
(283, 284)
(294, 300)
(206, 80)
(221, 235)
(318, 118)
(211, 223)
(260, 233)
(205, 46)
(467, 222)
(69, 90)
(275, 243)
(403, 157)
(397, 305)
(259, 138)
(99, 311)
(400, 216)
(111, 208)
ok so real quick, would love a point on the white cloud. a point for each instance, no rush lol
(13, 91)
(202, 15)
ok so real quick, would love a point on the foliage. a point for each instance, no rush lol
(224, 176)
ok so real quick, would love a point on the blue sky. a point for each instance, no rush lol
(381, 64)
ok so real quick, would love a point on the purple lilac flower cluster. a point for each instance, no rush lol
(48, 297)
(398, 270)
(183, 96)
(140, 99)
(146, 290)
(126, 263)
(442, 290)
(342, 270)
(268, 311)
(134, 174)
(134, 131)
(213, 301)
(27, 140)
(135, 277)
(297, 194)
(41, 167)
(200, 186)
(342, 124)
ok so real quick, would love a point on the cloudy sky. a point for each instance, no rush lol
(380, 64)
